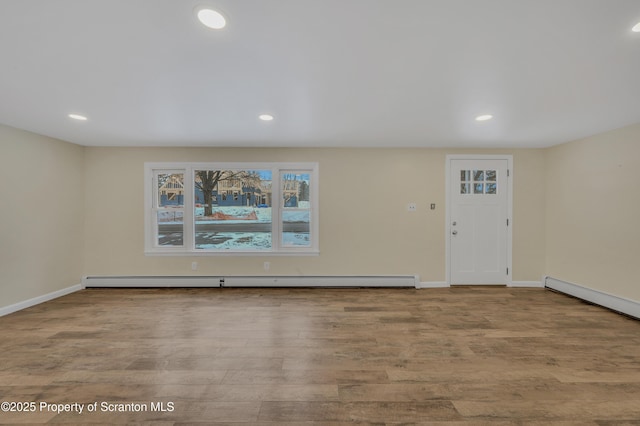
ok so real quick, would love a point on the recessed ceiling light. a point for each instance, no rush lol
(78, 117)
(636, 28)
(484, 117)
(212, 19)
(265, 117)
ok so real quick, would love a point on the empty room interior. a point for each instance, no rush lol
(320, 212)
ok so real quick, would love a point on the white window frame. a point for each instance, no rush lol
(188, 247)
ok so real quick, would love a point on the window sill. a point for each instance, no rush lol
(200, 253)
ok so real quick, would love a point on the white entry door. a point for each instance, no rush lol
(478, 221)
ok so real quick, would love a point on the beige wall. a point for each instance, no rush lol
(364, 225)
(69, 211)
(41, 215)
(593, 206)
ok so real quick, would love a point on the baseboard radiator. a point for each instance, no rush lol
(615, 303)
(251, 281)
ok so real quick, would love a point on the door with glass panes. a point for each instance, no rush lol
(478, 221)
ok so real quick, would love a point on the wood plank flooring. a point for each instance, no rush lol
(469, 355)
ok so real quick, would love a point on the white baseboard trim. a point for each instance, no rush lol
(433, 284)
(613, 302)
(526, 284)
(252, 281)
(37, 300)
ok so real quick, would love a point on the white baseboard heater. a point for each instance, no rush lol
(252, 281)
(610, 301)
(151, 281)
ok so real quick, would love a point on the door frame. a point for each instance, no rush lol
(447, 226)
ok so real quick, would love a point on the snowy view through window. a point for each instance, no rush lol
(233, 209)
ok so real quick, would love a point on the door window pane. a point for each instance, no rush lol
(478, 182)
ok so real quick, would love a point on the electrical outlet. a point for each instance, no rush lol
(412, 207)
(267, 266)
(194, 266)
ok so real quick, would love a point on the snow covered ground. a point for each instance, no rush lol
(263, 214)
(240, 240)
(247, 240)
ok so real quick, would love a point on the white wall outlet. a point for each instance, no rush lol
(267, 266)
(194, 266)
(412, 207)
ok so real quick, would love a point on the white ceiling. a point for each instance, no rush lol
(401, 73)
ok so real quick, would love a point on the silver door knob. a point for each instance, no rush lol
(455, 232)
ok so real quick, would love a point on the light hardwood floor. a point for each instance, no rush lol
(469, 355)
